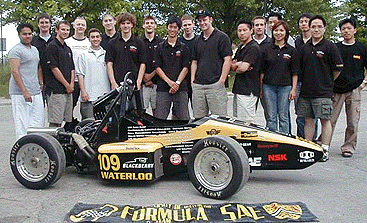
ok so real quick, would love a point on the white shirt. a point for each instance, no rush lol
(91, 64)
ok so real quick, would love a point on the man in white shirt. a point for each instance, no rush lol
(78, 43)
(92, 73)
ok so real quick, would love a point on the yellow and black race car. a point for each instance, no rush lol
(126, 144)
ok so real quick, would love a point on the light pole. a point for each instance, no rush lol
(1, 37)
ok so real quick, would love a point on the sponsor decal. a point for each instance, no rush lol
(267, 146)
(254, 161)
(162, 213)
(138, 163)
(277, 157)
(175, 159)
(246, 144)
(307, 157)
(245, 134)
(213, 132)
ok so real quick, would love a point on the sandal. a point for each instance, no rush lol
(347, 154)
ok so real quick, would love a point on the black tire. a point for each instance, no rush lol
(218, 166)
(37, 160)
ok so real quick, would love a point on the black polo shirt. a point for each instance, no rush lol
(125, 56)
(299, 43)
(317, 63)
(41, 45)
(106, 39)
(171, 59)
(60, 56)
(190, 44)
(355, 62)
(249, 81)
(150, 48)
(279, 64)
(209, 54)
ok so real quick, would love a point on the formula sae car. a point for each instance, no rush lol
(123, 143)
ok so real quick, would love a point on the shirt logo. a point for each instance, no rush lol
(319, 54)
(286, 56)
(178, 53)
(133, 49)
(358, 57)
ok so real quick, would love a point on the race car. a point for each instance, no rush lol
(124, 143)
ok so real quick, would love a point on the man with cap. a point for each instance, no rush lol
(212, 59)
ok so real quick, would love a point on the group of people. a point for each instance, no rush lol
(273, 69)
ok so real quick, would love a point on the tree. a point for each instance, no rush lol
(357, 9)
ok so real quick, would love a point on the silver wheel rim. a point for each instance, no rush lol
(213, 169)
(32, 162)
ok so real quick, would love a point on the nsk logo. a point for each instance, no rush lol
(277, 157)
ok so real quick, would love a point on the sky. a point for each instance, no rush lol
(11, 35)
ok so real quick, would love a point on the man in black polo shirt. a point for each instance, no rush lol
(109, 23)
(348, 86)
(60, 81)
(149, 85)
(172, 64)
(320, 64)
(209, 69)
(246, 87)
(41, 41)
(125, 53)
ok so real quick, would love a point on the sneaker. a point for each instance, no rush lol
(325, 157)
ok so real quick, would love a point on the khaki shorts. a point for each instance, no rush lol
(314, 108)
(210, 98)
(60, 108)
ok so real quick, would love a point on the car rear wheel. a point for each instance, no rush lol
(218, 166)
(37, 160)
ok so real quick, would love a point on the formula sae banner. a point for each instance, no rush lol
(163, 213)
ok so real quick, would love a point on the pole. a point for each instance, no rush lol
(1, 34)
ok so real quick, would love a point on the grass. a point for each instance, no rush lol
(4, 80)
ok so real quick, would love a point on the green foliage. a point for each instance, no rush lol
(357, 9)
(4, 80)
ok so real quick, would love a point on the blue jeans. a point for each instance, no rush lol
(276, 98)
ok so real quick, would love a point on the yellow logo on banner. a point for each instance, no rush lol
(283, 211)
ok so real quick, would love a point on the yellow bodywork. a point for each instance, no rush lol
(211, 127)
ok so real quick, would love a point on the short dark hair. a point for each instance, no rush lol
(43, 15)
(275, 14)
(62, 22)
(286, 27)
(304, 15)
(347, 20)
(317, 17)
(93, 30)
(174, 19)
(243, 21)
(24, 25)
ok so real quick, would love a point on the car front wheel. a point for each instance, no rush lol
(218, 166)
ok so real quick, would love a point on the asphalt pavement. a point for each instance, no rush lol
(334, 191)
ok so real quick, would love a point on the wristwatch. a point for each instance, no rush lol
(178, 82)
(364, 81)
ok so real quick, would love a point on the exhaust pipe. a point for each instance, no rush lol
(84, 146)
(48, 130)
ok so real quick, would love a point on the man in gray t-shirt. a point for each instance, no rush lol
(25, 83)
